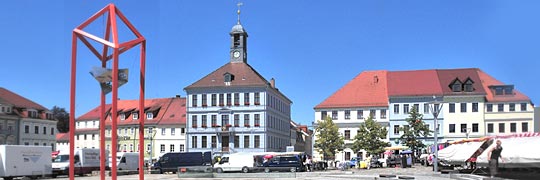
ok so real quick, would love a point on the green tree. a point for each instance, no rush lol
(416, 128)
(62, 117)
(328, 138)
(369, 137)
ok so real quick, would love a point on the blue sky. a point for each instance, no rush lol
(311, 48)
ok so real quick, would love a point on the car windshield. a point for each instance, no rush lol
(61, 158)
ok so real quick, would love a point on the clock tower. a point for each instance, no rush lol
(239, 36)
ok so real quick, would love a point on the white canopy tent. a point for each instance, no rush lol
(518, 152)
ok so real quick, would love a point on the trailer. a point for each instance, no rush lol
(25, 161)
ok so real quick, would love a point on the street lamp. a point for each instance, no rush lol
(467, 132)
(152, 133)
(436, 107)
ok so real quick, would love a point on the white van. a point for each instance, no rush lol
(19, 161)
(86, 161)
(126, 161)
(236, 162)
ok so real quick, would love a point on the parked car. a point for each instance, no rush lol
(354, 161)
(290, 163)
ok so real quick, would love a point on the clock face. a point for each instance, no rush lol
(236, 54)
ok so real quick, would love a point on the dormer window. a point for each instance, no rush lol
(149, 115)
(456, 85)
(500, 90)
(228, 78)
(135, 116)
(468, 85)
(32, 114)
(508, 90)
(123, 116)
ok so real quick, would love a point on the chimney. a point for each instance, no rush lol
(273, 83)
(178, 96)
(375, 79)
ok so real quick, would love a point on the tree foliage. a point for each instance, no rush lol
(369, 137)
(416, 128)
(62, 117)
(328, 138)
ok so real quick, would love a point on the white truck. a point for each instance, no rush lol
(126, 161)
(19, 161)
(86, 161)
(241, 161)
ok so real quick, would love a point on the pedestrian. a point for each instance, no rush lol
(309, 164)
(493, 155)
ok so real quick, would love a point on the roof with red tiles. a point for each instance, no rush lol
(448, 76)
(368, 89)
(413, 83)
(62, 137)
(244, 75)
(167, 111)
(487, 81)
(8, 97)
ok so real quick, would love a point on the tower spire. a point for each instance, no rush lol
(238, 11)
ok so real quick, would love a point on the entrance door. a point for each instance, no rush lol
(225, 143)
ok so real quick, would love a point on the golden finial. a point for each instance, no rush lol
(238, 11)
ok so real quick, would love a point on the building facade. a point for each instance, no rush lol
(235, 109)
(474, 104)
(24, 122)
(164, 120)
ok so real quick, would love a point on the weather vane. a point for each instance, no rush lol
(238, 12)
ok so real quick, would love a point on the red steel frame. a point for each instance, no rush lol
(118, 48)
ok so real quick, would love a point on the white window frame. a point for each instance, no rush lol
(149, 115)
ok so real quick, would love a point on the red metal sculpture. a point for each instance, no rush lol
(110, 12)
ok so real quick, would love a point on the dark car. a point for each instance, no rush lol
(170, 162)
(284, 163)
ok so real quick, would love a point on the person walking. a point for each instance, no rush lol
(493, 155)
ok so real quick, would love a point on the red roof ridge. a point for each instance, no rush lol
(19, 101)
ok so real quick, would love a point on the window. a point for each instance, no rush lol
(396, 129)
(452, 128)
(204, 122)
(246, 99)
(182, 148)
(257, 120)
(36, 130)
(214, 100)
(451, 107)
(501, 127)
(372, 113)
(214, 120)
(44, 130)
(52, 131)
(334, 115)
(135, 116)
(468, 87)
(246, 141)
(257, 98)
(498, 91)
(221, 100)
(463, 107)
(456, 87)
(490, 128)
(474, 107)
(225, 120)
(475, 127)
(236, 141)
(93, 136)
(416, 107)
(524, 127)
(162, 148)
(148, 147)
(246, 120)
(360, 114)
(508, 90)
(194, 100)
(214, 142)
(123, 116)
(500, 107)
(383, 113)
(257, 140)
(193, 141)
(406, 109)
(171, 148)
(204, 142)
(463, 128)
(523, 106)
(347, 114)
(236, 99)
(182, 131)
(194, 121)
(513, 127)
(149, 115)
(512, 107)
(204, 101)
(347, 134)
(173, 131)
(396, 108)
(229, 101)
(323, 115)
(489, 107)
(237, 120)
(426, 108)
(26, 129)
(132, 130)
